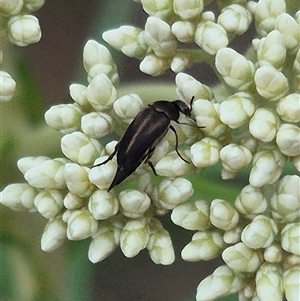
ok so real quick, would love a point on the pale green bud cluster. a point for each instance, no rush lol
(22, 29)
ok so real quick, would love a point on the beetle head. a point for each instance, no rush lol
(183, 107)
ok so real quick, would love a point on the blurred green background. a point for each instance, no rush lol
(43, 73)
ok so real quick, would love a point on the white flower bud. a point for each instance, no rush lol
(188, 87)
(73, 201)
(49, 202)
(271, 50)
(101, 93)
(251, 201)
(192, 216)
(210, 37)
(64, 118)
(233, 236)
(289, 29)
(55, 234)
(173, 166)
(98, 60)
(288, 139)
(160, 244)
(103, 205)
(222, 282)
(103, 175)
(127, 107)
(235, 69)
(134, 203)
(11, 7)
(33, 5)
(270, 83)
(291, 284)
(249, 141)
(103, 242)
(260, 233)
(8, 86)
(288, 108)
(296, 162)
(159, 37)
(241, 258)
(181, 61)
(77, 179)
(24, 30)
(266, 13)
(296, 64)
(81, 225)
(80, 149)
(78, 94)
(285, 202)
(18, 197)
(263, 125)
(206, 114)
(160, 8)
(184, 31)
(128, 39)
(223, 215)
(208, 16)
(134, 237)
(26, 163)
(237, 109)
(273, 254)
(48, 174)
(269, 284)
(290, 238)
(188, 9)
(171, 193)
(97, 124)
(267, 167)
(153, 65)
(205, 152)
(204, 246)
(235, 157)
(235, 19)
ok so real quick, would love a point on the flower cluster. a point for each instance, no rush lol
(253, 123)
(22, 29)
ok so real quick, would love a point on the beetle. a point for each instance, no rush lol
(146, 130)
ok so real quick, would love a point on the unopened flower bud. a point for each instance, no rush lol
(11, 7)
(98, 60)
(48, 174)
(269, 282)
(251, 201)
(26, 163)
(49, 202)
(8, 86)
(290, 238)
(192, 216)
(81, 225)
(235, 69)
(288, 139)
(233, 235)
(127, 107)
(97, 124)
(154, 65)
(64, 118)
(24, 30)
(270, 83)
(80, 148)
(291, 284)
(18, 196)
(204, 246)
(188, 9)
(288, 108)
(171, 193)
(54, 235)
(163, 10)
(235, 19)
(241, 258)
(222, 282)
(237, 109)
(78, 94)
(263, 125)
(101, 93)
(181, 61)
(273, 254)
(184, 31)
(285, 202)
(223, 215)
(73, 201)
(210, 37)
(267, 167)
(134, 237)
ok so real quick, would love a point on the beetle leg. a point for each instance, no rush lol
(109, 158)
(176, 144)
(150, 153)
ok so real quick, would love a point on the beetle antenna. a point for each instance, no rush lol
(191, 102)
